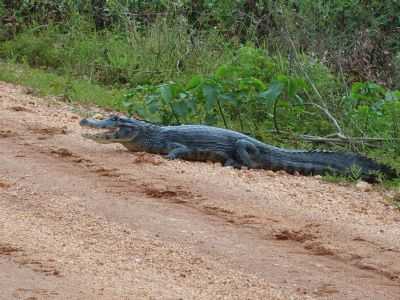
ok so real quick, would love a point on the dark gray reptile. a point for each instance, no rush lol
(231, 148)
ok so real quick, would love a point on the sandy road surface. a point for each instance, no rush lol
(80, 220)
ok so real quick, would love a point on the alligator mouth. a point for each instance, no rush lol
(98, 130)
(106, 131)
(105, 134)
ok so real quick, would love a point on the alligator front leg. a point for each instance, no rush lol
(247, 154)
(178, 151)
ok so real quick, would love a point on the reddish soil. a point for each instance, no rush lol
(80, 220)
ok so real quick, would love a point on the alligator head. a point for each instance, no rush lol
(118, 129)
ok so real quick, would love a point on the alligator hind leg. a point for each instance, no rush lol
(232, 163)
(246, 152)
(216, 156)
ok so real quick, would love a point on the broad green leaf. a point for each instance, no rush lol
(153, 104)
(251, 83)
(181, 109)
(294, 85)
(258, 83)
(140, 111)
(176, 89)
(127, 103)
(282, 78)
(392, 96)
(273, 92)
(130, 95)
(194, 82)
(210, 93)
(227, 98)
(166, 93)
(191, 103)
(225, 71)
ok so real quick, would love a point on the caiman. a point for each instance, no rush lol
(231, 148)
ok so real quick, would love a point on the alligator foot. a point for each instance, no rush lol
(232, 163)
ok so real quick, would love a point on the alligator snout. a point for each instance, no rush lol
(84, 122)
(97, 123)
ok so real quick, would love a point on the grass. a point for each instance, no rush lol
(337, 179)
(393, 185)
(46, 83)
(161, 52)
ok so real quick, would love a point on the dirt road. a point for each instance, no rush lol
(79, 220)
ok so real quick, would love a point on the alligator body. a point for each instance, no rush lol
(231, 148)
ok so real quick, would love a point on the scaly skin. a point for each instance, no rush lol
(231, 148)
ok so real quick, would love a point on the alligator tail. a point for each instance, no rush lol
(336, 163)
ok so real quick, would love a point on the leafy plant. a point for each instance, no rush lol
(242, 95)
(355, 173)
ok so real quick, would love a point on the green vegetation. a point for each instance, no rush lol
(163, 52)
(293, 73)
(66, 88)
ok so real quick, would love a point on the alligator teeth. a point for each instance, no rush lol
(104, 134)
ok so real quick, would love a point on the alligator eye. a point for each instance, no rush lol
(114, 118)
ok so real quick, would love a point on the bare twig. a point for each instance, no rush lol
(274, 115)
(324, 109)
(222, 114)
(330, 117)
(338, 139)
(335, 138)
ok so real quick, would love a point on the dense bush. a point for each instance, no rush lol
(262, 95)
